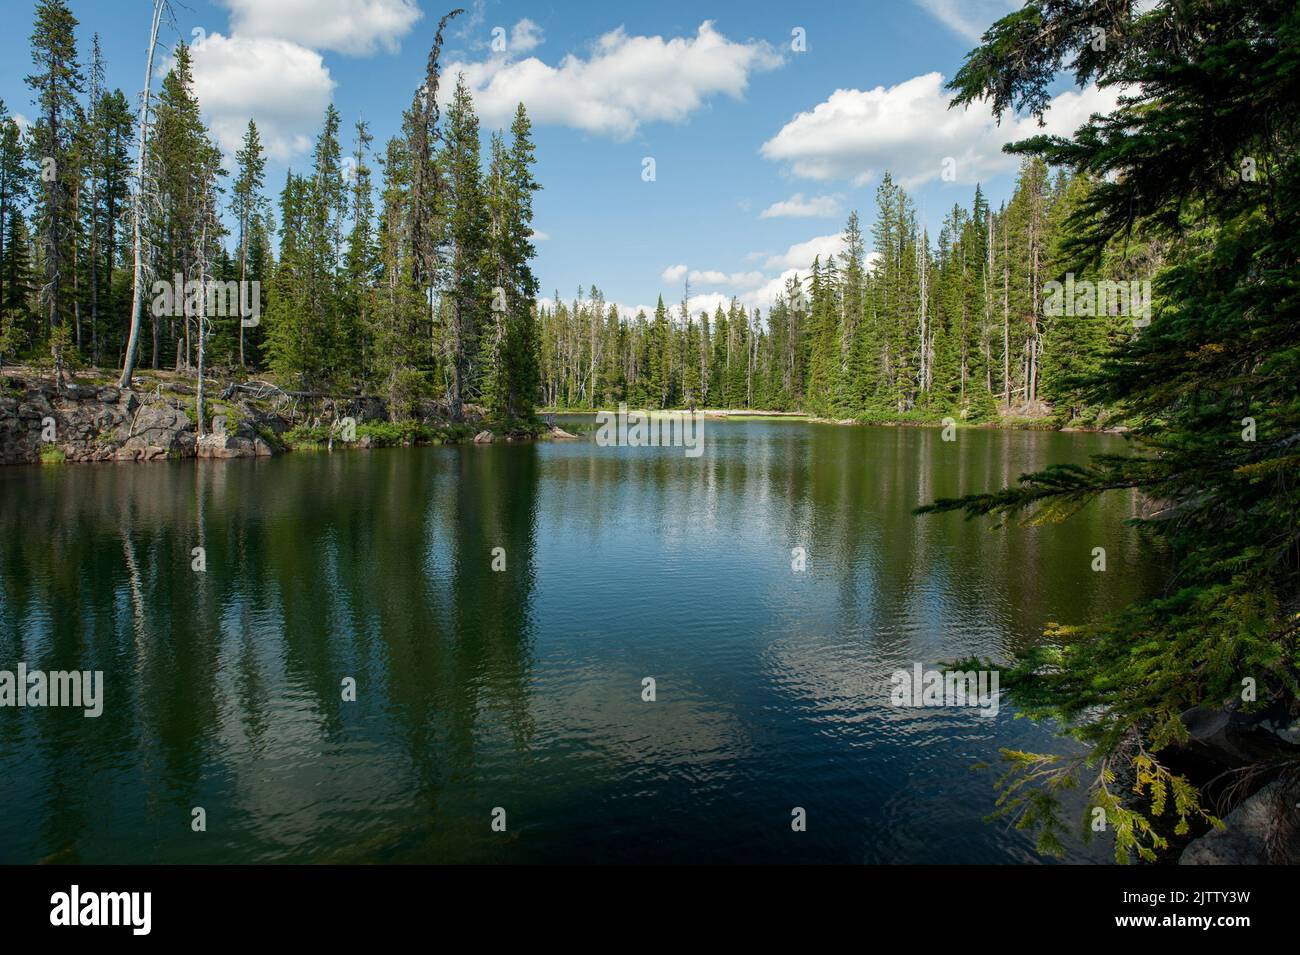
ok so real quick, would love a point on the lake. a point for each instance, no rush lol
(521, 689)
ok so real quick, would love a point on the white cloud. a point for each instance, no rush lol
(799, 207)
(282, 86)
(346, 26)
(908, 129)
(737, 280)
(525, 36)
(968, 18)
(538, 236)
(22, 121)
(623, 82)
(752, 289)
(760, 297)
(745, 279)
(708, 302)
(801, 254)
(796, 261)
(626, 313)
(774, 288)
(468, 24)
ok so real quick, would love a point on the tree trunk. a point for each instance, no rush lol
(137, 290)
(1006, 320)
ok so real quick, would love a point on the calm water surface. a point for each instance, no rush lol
(522, 689)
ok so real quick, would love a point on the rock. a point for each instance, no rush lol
(367, 408)
(35, 406)
(1227, 737)
(160, 427)
(108, 423)
(1204, 723)
(1286, 730)
(558, 432)
(224, 446)
(274, 423)
(1263, 830)
(243, 443)
(483, 437)
(108, 418)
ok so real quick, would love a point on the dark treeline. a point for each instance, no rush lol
(64, 198)
(915, 328)
(413, 280)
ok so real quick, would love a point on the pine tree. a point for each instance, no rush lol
(852, 373)
(14, 190)
(56, 83)
(109, 165)
(18, 326)
(525, 375)
(326, 203)
(292, 340)
(247, 202)
(1078, 343)
(469, 292)
(182, 160)
(397, 304)
(361, 267)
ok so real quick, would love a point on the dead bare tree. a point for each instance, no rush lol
(142, 135)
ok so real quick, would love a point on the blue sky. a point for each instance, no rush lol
(760, 150)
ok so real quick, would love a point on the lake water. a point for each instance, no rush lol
(522, 689)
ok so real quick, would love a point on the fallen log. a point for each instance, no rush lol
(265, 389)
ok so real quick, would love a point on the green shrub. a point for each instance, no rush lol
(981, 406)
(306, 436)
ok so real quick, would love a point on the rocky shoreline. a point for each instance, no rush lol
(84, 423)
(96, 421)
(1233, 747)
